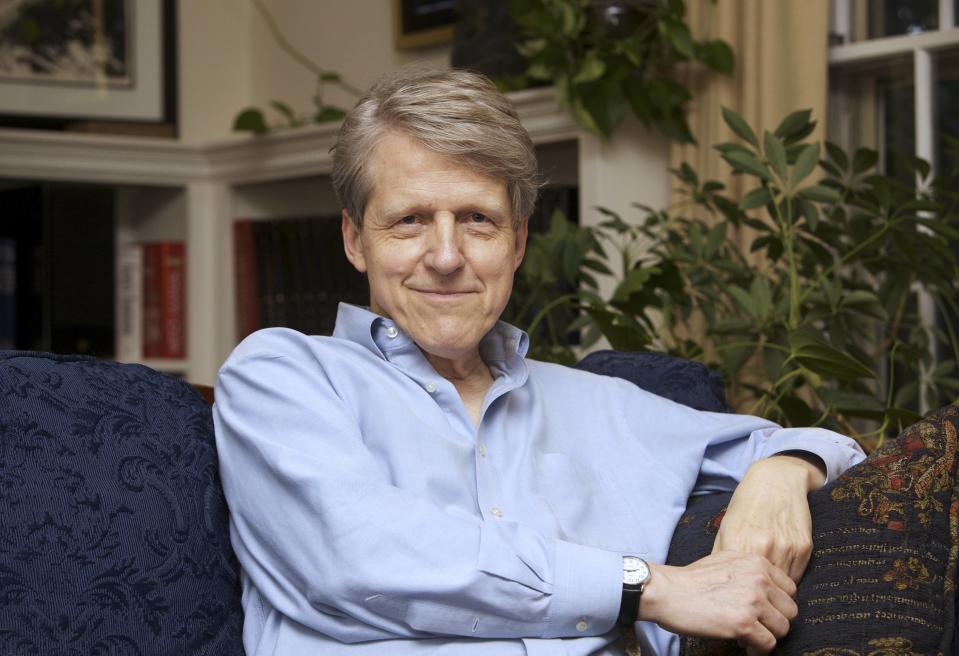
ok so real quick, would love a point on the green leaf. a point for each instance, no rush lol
(622, 334)
(632, 282)
(719, 56)
(748, 163)
(330, 76)
(762, 296)
(592, 68)
(837, 155)
(729, 147)
(328, 113)
(739, 126)
(531, 47)
(810, 212)
(568, 17)
(745, 300)
(250, 120)
(825, 360)
(805, 163)
(792, 124)
(863, 160)
(679, 36)
(855, 404)
(755, 198)
(284, 109)
(775, 153)
(715, 239)
(540, 71)
(864, 302)
(821, 194)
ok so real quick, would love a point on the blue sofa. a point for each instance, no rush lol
(114, 533)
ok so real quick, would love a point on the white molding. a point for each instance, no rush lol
(31, 154)
(893, 46)
(299, 152)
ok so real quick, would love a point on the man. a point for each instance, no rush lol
(414, 485)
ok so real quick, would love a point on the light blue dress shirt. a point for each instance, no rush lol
(370, 516)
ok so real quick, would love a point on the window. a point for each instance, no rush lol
(894, 86)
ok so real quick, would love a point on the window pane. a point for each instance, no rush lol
(894, 17)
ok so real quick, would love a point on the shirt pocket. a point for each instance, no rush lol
(589, 505)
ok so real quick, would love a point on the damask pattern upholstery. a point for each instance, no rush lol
(114, 537)
(684, 381)
(882, 578)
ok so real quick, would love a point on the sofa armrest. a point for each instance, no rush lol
(882, 576)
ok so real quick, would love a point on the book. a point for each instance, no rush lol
(8, 294)
(164, 300)
(129, 303)
(248, 318)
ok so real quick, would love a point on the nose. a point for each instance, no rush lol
(445, 254)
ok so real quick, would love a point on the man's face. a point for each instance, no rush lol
(437, 245)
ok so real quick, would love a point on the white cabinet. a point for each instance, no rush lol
(193, 192)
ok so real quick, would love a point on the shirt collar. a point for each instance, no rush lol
(380, 335)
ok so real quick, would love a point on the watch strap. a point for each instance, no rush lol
(629, 607)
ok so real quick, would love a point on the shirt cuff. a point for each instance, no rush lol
(838, 452)
(587, 591)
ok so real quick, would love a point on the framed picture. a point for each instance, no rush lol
(421, 23)
(87, 60)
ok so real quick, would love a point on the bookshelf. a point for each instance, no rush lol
(195, 191)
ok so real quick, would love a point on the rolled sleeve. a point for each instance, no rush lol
(837, 452)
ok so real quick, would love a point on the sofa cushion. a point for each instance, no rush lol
(114, 538)
(882, 576)
(684, 381)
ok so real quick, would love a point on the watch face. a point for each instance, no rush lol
(635, 570)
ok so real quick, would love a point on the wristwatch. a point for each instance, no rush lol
(635, 577)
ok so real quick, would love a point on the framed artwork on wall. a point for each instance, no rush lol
(421, 23)
(87, 61)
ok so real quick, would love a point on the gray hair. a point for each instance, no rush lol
(456, 113)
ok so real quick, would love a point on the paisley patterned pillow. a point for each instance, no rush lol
(882, 578)
(114, 535)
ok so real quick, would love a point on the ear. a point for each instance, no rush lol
(522, 232)
(353, 243)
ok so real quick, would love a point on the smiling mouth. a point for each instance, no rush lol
(443, 293)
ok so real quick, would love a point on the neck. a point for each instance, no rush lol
(469, 375)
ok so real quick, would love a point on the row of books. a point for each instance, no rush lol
(151, 301)
(292, 272)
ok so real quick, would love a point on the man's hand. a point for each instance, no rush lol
(725, 595)
(769, 515)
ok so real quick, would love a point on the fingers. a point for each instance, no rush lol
(771, 608)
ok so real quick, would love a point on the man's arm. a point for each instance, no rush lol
(768, 514)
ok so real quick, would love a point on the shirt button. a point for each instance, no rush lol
(482, 450)
(496, 512)
(582, 625)
(392, 332)
(430, 387)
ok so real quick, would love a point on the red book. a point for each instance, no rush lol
(164, 300)
(245, 277)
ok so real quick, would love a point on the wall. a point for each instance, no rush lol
(230, 60)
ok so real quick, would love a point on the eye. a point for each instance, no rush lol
(409, 219)
(478, 217)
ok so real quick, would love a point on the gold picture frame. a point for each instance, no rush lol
(423, 23)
